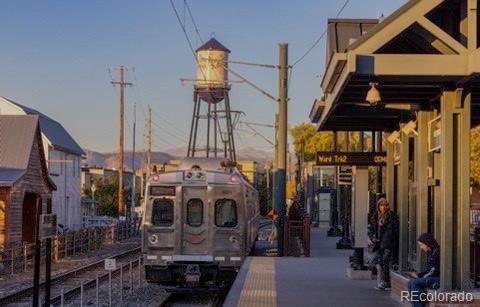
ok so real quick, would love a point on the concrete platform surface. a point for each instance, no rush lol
(316, 281)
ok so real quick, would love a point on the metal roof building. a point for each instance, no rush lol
(63, 157)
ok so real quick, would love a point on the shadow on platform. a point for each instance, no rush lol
(316, 281)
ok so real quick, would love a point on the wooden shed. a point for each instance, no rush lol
(24, 178)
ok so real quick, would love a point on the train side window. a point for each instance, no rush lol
(162, 212)
(195, 212)
(225, 213)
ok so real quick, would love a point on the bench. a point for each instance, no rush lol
(399, 283)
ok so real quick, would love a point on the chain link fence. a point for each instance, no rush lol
(20, 259)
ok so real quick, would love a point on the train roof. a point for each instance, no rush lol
(211, 164)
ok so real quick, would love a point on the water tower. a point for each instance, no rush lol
(212, 104)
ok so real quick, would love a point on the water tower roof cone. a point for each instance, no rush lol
(213, 44)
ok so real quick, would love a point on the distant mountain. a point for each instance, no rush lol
(251, 153)
(110, 159)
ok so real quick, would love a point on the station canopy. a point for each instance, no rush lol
(421, 50)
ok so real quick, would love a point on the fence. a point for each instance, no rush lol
(104, 290)
(297, 236)
(20, 259)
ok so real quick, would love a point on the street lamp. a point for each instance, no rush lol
(373, 95)
(93, 188)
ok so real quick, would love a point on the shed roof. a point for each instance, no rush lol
(17, 135)
(53, 130)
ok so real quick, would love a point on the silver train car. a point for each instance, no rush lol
(199, 224)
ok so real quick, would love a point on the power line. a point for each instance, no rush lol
(321, 36)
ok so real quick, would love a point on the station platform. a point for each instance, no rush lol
(316, 281)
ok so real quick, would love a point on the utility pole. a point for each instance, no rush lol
(281, 160)
(149, 150)
(132, 204)
(36, 269)
(122, 84)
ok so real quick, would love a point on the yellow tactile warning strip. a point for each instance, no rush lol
(259, 288)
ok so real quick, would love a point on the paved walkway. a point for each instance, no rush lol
(316, 281)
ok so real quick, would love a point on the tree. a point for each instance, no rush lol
(475, 156)
(306, 135)
(106, 196)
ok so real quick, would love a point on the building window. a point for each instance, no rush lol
(195, 212)
(162, 212)
(225, 213)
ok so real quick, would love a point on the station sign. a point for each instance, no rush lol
(345, 175)
(47, 227)
(351, 158)
(110, 264)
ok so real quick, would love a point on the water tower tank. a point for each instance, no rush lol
(212, 74)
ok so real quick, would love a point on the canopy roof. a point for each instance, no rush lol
(422, 49)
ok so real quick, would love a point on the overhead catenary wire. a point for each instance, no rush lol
(321, 36)
(193, 21)
(171, 133)
(162, 140)
(168, 122)
(176, 137)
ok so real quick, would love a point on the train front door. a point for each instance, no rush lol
(195, 221)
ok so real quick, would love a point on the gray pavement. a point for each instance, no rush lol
(321, 279)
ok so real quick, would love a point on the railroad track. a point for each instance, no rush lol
(70, 282)
(197, 299)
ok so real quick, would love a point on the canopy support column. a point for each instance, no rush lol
(390, 174)
(422, 162)
(402, 203)
(455, 190)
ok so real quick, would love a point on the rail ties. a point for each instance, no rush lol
(70, 282)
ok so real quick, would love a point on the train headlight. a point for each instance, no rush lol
(153, 239)
(189, 175)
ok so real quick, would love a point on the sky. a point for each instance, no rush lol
(58, 57)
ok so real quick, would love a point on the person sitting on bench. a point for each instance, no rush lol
(430, 278)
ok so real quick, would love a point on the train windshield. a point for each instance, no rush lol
(225, 213)
(162, 212)
(195, 212)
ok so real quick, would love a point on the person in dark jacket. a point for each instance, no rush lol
(430, 278)
(387, 240)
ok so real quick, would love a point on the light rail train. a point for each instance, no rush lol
(199, 224)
